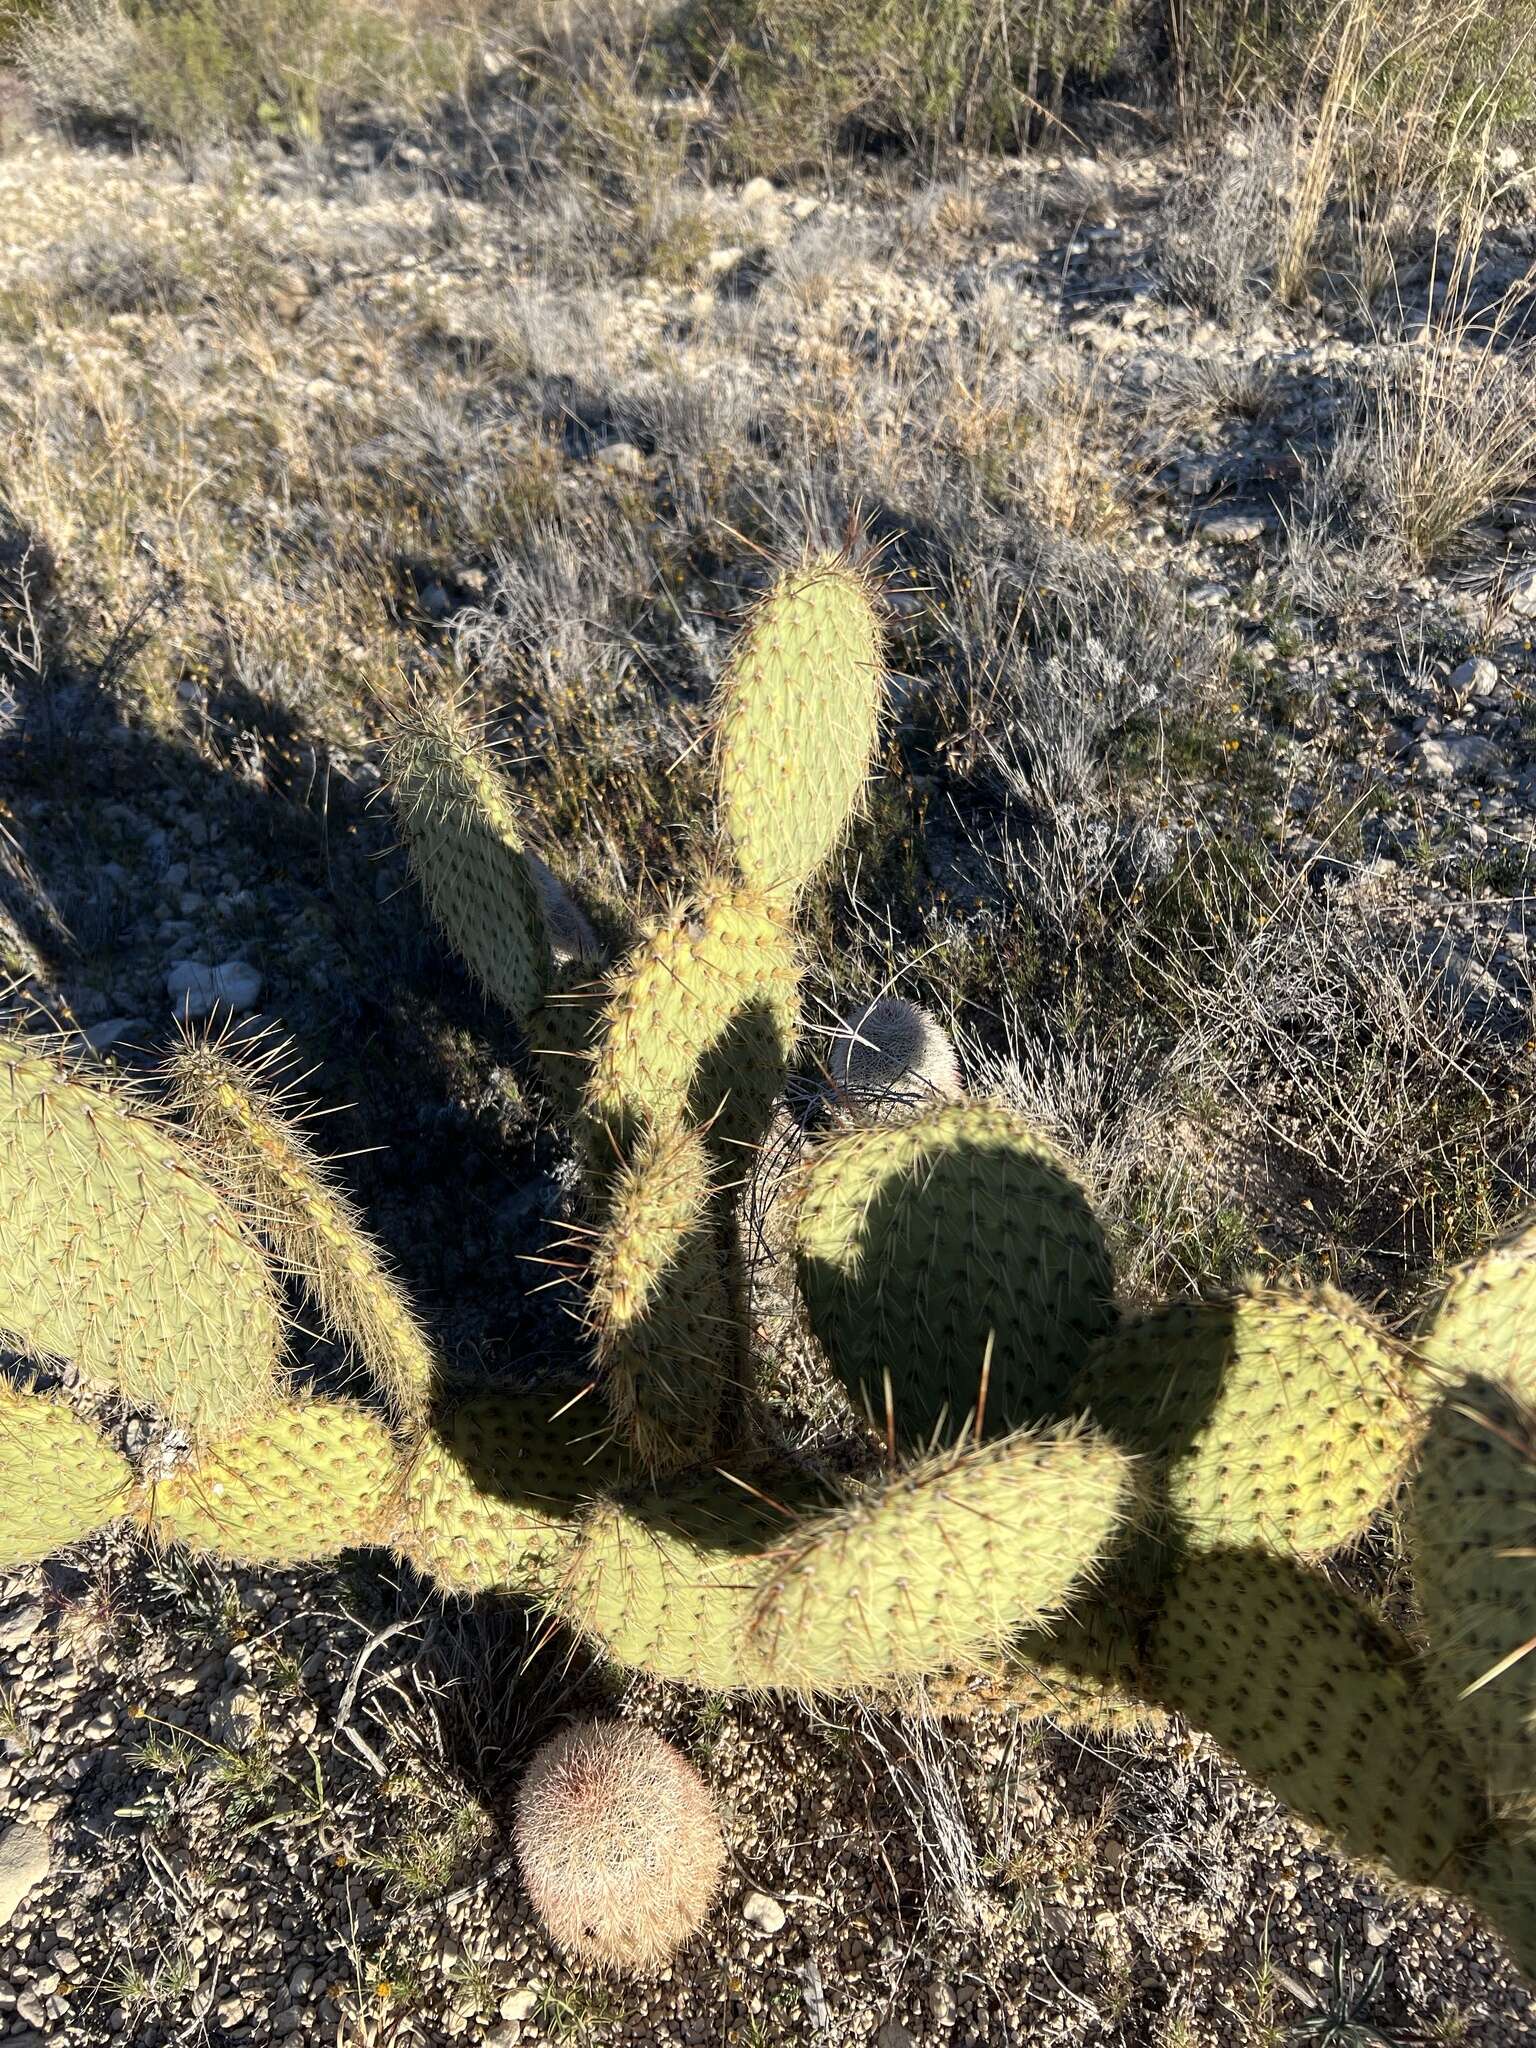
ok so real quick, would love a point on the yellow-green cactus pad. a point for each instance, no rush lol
(1080, 1672)
(260, 1159)
(940, 1565)
(1271, 1418)
(562, 1032)
(494, 1492)
(1485, 1320)
(1472, 1535)
(667, 1342)
(308, 1481)
(60, 1479)
(120, 1256)
(1318, 1698)
(800, 712)
(667, 1585)
(955, 1242)
(459, 821)
(697, 1029)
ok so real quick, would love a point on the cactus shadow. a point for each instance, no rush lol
(891, 1300)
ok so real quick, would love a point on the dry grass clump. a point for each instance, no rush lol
(619, 1844)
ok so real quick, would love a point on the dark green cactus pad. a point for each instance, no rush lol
(1316, 1697)
(934, 1249)
(1471, 1527)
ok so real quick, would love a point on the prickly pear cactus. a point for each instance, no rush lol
(60, 1480)
(954, 1253)
(799, 714)
(121, 1258)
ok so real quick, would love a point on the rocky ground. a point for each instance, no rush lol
(1190, 724)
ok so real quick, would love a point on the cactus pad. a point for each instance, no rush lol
(1315, 1696)
(1485, 1319)
(699, 1027)
(919, 1243)
(940, 1565)
(1472, 1534)
(666, 1339)
(668, 1585)
(256, 1153)
(1081, 1672)
(800, 711)
(121, 1257)
(309, 1481)
(1283, 1420)
(493, 1494)
(59, 1478)
(460, 825)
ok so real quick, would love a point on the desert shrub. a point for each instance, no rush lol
(797, 76)
(1468, 63)
(187, 71)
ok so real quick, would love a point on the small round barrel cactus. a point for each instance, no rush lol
(619, 1844)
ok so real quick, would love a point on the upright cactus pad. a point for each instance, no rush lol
(1472, 1536)
(800, 711)
(1485, 1319)
(309, 1481)
(60, 1479)
(666, 1340)
(121, 1257)
(491, 1501)
(1277, 1419)
(923, 1246)
(698, 1030)
(259, 1158)
(459, 821)
(940, 1565)
(1317, 1698)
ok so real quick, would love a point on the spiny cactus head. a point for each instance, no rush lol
(1471, 1527)
(60, 1480)
(1270, 1418)
(309, 1481)
(122, 1257)
(697, 1030)
(619, 1844)
(460, 824)
(941, 1564)
(799, 715)
(955, 1252)
(665, 1337)
(890, 1058)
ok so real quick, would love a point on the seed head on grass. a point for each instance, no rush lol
(619, 1844)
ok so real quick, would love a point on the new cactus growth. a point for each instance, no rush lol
(799, 714)
(459, 821)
